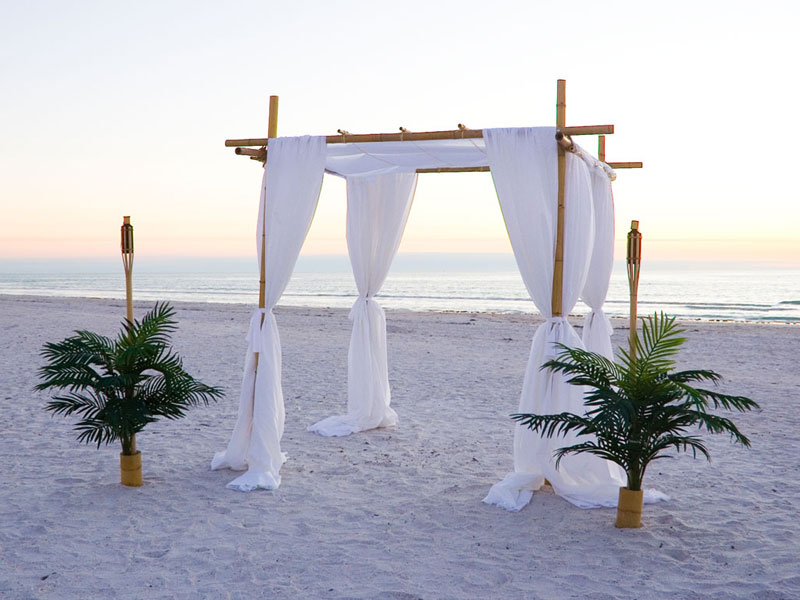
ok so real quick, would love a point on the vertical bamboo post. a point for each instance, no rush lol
(126, 246)
(558, 265)
(272, 126)
(272, 132)
(634, 261)
(601, 148)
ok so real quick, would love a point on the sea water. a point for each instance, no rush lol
(722, 291)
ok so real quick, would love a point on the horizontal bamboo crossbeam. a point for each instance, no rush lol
(625, 165)
(347, 138)
(261, 153)
(247, 142)
(453, 134)
(562, 137)
(455, 170)
(417, 136)
(587, 130)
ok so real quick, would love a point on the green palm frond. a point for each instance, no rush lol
(695, 375)
(679, 443)
(728, 402)
(84, 404)
(553, 425)
(581, 366)
(659, 341)
(94, 431)
(717, 424)
(154, 328)
(75, 362)
(589, 448)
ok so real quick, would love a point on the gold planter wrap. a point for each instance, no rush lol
(130, 469)
(629, 509)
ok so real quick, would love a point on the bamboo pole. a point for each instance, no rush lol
(455, 170)
(587, 129)
(634, 262)
(126, 246)
(558, 265)
(563, 140)
(272, 125)
(261, 153)
(601, 148)
(272, 131)
(452, 134)
(625, 165)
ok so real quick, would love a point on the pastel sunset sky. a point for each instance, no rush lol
(112, 108)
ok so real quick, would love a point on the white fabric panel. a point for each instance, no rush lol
(524, 168)
(597, 328)
(377, 211)
(375, 158)
(289, 193)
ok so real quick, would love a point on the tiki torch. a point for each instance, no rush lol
(127, 263)
(634, 264)
(126, 236)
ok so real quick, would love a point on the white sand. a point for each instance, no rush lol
(387, 513)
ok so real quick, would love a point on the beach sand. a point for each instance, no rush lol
(393, 513)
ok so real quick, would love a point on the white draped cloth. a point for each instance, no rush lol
(377, 211)
(375, 158)
(524, 167)
(289, 194)
(597, 328)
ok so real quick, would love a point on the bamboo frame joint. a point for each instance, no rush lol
(565, 142)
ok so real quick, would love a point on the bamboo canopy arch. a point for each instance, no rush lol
(379, 198)
(563, 137)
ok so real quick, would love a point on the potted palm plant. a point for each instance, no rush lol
(117, 386)
(638, 409)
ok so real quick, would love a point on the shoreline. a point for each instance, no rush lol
(574, 318)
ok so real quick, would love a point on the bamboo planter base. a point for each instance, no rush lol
(629, 509)
(130, 469)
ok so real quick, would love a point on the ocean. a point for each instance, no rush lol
(476, 283)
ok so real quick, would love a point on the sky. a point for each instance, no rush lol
(120, 108)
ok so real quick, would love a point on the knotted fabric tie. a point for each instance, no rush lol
(557, 333)
(254, 338)
(361, 304)
(597, 316)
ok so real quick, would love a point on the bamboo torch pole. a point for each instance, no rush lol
(634, 261)
(558, 265)
(126, 245)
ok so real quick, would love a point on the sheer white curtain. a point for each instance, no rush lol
(597, 328)
(524, 168)
(289, 194)
(377, 211)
